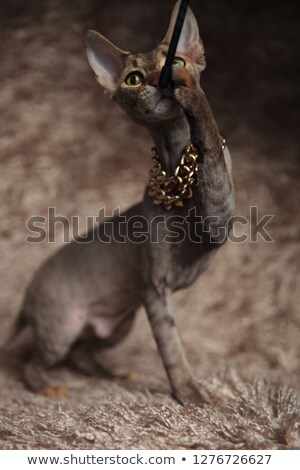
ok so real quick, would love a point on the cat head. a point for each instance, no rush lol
(132, 79)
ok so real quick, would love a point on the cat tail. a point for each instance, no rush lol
(12, 333)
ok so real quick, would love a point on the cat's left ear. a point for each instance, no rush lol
(106, 60)
(190, 42)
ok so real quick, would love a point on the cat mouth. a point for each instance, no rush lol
(162, 98)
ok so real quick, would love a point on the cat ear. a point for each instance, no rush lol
(190, 43)
(106, 60)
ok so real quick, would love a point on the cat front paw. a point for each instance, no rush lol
(182, 78)
(192, 393)
(186, 88)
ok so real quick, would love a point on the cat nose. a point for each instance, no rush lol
(152, 78)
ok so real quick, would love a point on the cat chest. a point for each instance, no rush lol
(186, 269)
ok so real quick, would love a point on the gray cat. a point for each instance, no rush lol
(85, 297)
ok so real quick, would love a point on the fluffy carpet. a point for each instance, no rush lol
(63, 144)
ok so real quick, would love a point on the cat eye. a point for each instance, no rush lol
(134, 79)
(178, 62)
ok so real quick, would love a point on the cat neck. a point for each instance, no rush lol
(170, 139)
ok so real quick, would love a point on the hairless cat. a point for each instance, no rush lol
(85, 297)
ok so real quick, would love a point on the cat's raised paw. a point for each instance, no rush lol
(182, 78)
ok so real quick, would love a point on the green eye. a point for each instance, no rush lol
(178, 62)
(134, 79)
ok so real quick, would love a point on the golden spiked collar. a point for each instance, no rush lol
(173, 190)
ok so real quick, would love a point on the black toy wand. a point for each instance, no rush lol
(166, 72)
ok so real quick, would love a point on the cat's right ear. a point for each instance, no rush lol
(106, 60)
(190, 42)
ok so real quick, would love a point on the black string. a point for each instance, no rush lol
(166, 72)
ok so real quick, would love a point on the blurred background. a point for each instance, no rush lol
(64, 144)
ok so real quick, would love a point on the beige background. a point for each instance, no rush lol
(64, 144)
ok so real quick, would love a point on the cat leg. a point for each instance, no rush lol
(52, 342)
(82, 358)
(82, 355)
(35, 376)
(183, 384)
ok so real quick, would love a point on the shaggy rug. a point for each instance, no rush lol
(65, 145)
